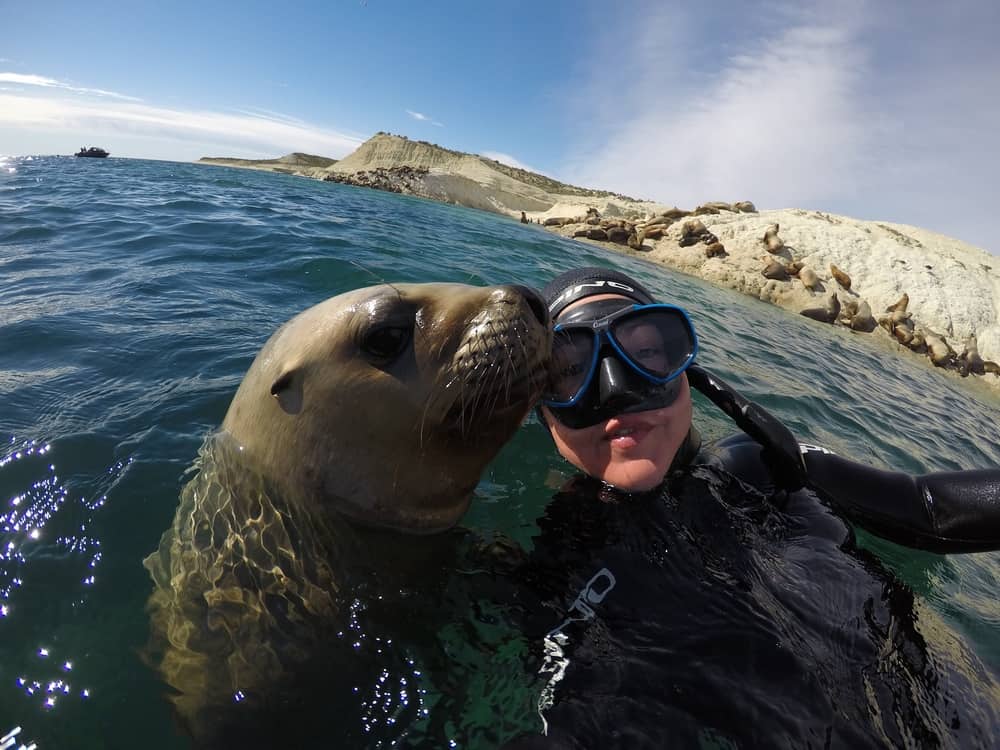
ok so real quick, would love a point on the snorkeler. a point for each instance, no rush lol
(619, 408)
(695, 595)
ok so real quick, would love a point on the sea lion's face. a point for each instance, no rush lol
(387, 403)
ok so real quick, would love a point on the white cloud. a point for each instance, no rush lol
(420, 117)
(189, 131)
(44, 82)
(876, 112)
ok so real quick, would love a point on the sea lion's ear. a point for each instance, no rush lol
(287, 389)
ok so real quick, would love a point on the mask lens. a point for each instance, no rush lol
(658, 341)
(572, 364)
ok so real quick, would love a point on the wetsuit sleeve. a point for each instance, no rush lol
(946, 512)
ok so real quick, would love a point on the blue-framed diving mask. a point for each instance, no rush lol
(610, 359)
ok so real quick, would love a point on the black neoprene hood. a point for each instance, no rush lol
(568, 287)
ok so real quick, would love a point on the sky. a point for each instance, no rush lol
(877, 109)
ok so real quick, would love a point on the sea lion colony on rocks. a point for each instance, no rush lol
(956, 287)
(779, 266)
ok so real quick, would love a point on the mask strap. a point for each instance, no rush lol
(781, 447)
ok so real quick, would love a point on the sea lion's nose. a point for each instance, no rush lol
(533, 300)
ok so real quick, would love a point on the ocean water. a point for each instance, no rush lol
(133, 297)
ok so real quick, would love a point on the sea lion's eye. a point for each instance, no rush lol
(385, 342)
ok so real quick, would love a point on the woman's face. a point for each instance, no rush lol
(630, 451)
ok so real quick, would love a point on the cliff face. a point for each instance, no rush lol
(384, 151)
(466, 179)
(304, 165)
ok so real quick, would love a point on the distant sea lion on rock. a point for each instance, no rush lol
(904, 333)
(917, 343)
(809, 278)
(842, 278)
(618, 234)
(900, 305)
(692, 232)
(775, 269)
(675, 213)
(847, 311)
(745, 207)
(970, 357)
(827, 314)
(381, 406)
(714, 249)
(937, 349)
(862, 320)
(659, 221)
(771, 240)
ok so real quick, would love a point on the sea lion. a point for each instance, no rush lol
(774, 269)
(904, 334)
(720, 205)
(745, 207)
(794, 267)
(827, 314)
(842, 278)
(663, 222)
(373, 412)
(772, 241)
(618, 235)
(862, 320)
(900, 305)
(715, 249)
(809, 278)
(937, 349)
(971, 358)
(848, 310)
(692, 232)
(675, 213)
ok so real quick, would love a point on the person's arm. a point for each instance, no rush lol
(946, 512)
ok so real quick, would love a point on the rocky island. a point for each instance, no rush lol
(305, 165)
(915, 290)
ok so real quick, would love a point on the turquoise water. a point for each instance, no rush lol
(134, 295)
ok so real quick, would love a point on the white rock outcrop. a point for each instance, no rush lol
(954, 287)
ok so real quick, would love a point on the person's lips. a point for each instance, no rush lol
(624, 433)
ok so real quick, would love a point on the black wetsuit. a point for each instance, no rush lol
(714, 612)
